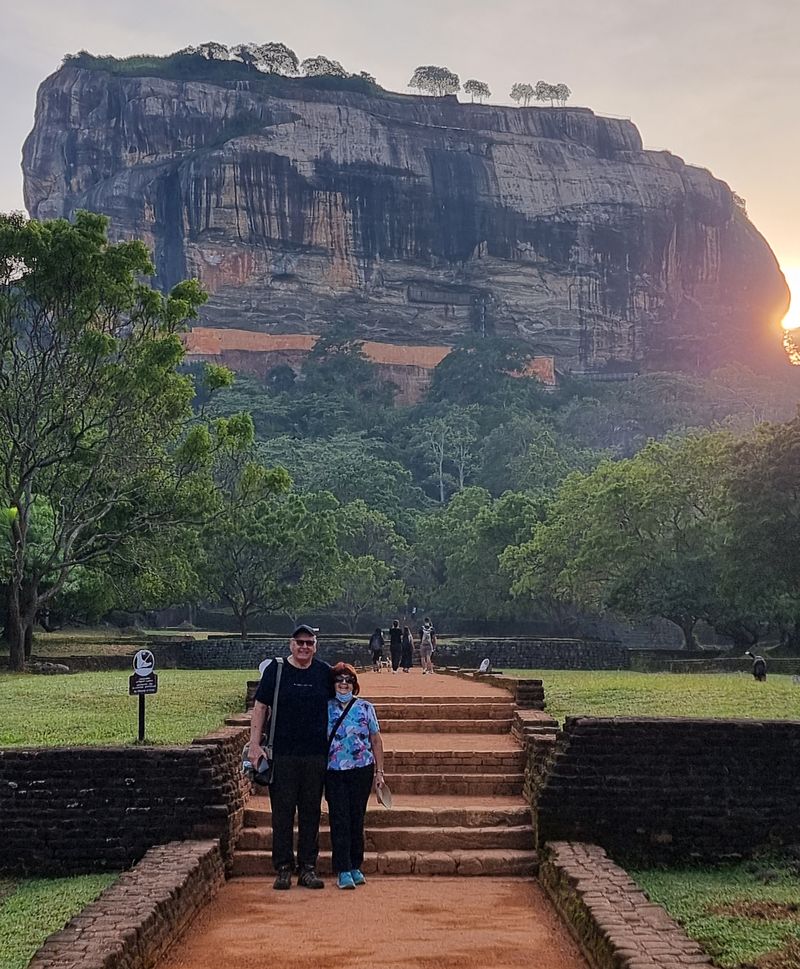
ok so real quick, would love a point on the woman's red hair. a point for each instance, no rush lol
(351, 670)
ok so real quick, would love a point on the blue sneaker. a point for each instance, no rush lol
(358, 877)
(346, 880)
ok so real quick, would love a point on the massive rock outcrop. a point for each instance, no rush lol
(419, 219)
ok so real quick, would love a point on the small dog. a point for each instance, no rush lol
(385, 664)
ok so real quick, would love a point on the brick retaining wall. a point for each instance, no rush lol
(610, 917)
(135, 922)
(670, 788)
(82, 809)
(564, 654)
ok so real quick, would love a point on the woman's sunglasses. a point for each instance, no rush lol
(344, 679)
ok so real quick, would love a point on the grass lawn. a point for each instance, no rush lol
(94, 708)
(738, 913)
(37, 907)
(601, 693)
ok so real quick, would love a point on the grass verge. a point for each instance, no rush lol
(625, 694)
(94, 708)
(38, 907)
(743, 915)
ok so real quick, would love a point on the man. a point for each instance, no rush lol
(300, 755)
(395, 644)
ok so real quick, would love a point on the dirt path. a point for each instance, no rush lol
(390, 923)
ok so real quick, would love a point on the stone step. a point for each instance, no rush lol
(498, 862)
(453, 761)
(397, 838)
(499, 783)
(477, 785)
(387, 710)
(422, 810)
(499, 726)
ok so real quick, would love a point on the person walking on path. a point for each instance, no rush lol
(376, 644)
(395, 644)
(299, 755)
(427, 644)
(355, 766)
(407, 652)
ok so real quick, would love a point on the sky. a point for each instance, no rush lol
(715, 82)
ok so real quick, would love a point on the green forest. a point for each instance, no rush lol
(133, 481)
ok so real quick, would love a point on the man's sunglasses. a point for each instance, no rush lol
(306, 642)
(344, 679)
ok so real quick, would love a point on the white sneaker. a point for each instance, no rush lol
(394, 671)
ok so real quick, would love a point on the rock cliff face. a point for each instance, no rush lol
(419, 219)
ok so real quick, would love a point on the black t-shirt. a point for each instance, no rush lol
(395, 636)
(301, 728)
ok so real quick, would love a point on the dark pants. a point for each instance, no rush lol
(347, 793)
(396, 652)
(296, 787)
(407, 654)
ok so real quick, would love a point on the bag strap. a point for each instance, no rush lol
(339, 722)
(274, 711)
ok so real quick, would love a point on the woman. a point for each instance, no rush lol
(427, 644)
(407, 656)
(355, 766)
(376, 644)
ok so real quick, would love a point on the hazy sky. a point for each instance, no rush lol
(714, 81)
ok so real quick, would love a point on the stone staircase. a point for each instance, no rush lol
(456, 773)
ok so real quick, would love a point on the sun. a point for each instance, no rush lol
(792, 319)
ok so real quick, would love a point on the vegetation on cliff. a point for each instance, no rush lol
(263, 62)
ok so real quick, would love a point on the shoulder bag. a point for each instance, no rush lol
(338, 723)
(265, 769)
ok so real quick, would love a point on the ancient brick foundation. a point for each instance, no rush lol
(610, 917)
(565, 654)
(134, 923)
(668, 789)
(82, 809)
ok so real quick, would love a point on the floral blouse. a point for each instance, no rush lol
(351, 746)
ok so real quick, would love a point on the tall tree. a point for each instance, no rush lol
(562, 93)
(762, 553)
(641, 537)
(213, 51)
(92, 406)
(522, 93)
(477, 90)
(322, 67)
(438, 81)
(275, 58)
(269, 551)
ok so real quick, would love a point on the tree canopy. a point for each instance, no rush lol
(477, 90)
(438, 81)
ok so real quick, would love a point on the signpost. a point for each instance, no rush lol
(143, 682)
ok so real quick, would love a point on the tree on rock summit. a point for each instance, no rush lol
(438, 81)
(477, 90)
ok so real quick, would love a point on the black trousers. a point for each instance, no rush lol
(296, 788)
(396, 652)
(347, 793)
(407, 655)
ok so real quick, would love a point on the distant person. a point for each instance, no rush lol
(759, 666)
(355, 767)
(300, 755)
(407, 651)
(427, 644)
(376, 644)
(395, 644)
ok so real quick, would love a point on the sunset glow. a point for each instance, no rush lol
(792, 319)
